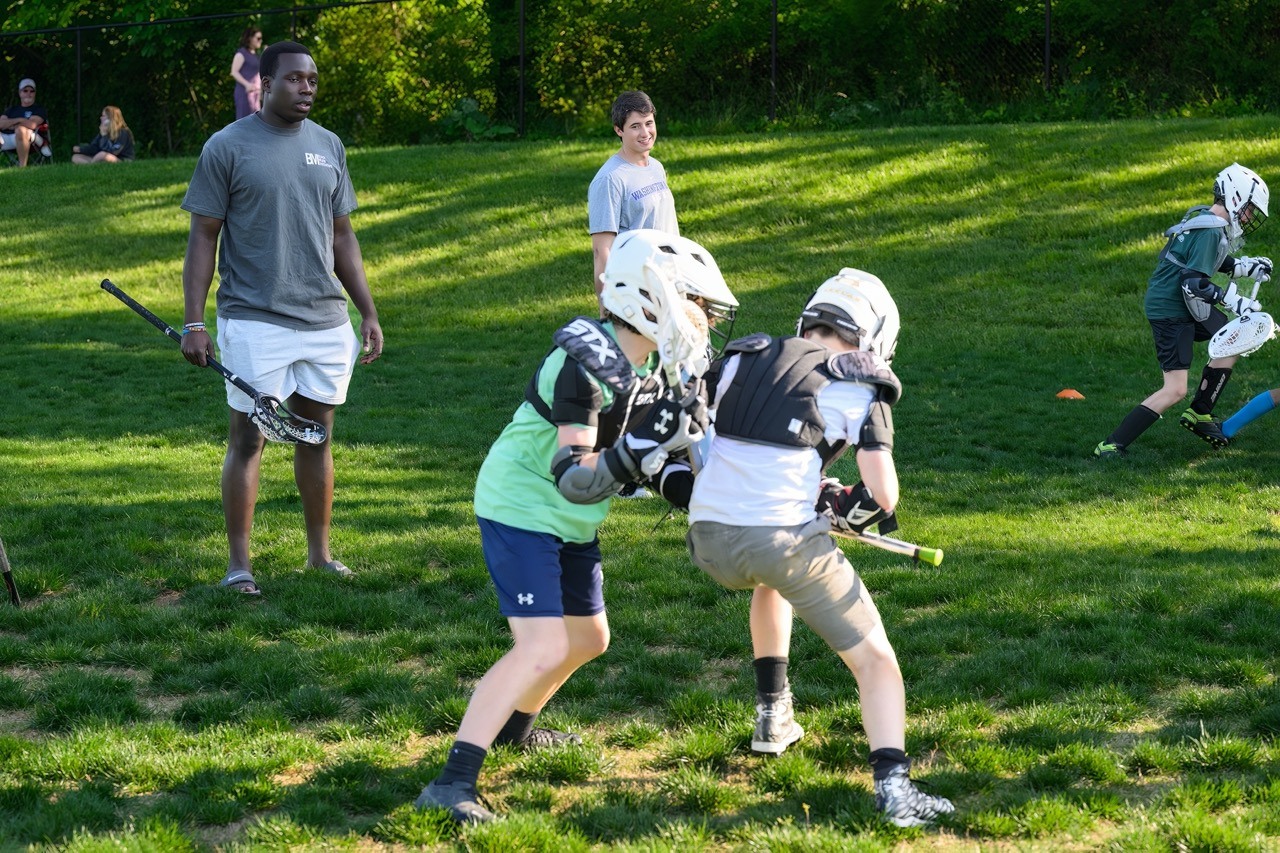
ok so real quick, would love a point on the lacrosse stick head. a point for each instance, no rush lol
(277, 423)
(856, 306)
(1242, 336)
(1245, 196)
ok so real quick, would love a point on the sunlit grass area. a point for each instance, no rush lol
(1093, 665)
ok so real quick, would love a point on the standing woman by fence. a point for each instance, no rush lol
(244, 70)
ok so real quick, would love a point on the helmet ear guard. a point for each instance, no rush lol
(856, 306)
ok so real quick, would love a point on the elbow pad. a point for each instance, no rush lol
(582, 484)
(1198, 285)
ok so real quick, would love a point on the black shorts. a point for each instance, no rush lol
(1174, 338)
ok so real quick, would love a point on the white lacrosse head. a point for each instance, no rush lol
(1245, 196)
(858, 307)
(686, 264)
(1242, 336)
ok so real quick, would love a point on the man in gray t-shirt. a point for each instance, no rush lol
(274, 187)
(630, 191)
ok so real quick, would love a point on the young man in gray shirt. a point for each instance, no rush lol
(630, 191)
(275, 187)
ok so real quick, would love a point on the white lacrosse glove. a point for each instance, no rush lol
(1257, 269)
(1236, 302)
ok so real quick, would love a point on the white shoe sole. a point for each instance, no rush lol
(773, 747)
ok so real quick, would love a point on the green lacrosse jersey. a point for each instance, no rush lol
(1200, 249)
(515, 485)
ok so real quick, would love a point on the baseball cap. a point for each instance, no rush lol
(25, 82)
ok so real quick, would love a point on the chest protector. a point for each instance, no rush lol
(773, 397)
(589, 345)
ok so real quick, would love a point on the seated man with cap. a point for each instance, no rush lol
(19, 124)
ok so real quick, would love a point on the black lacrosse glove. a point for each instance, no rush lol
(851, 509)
(669, 428)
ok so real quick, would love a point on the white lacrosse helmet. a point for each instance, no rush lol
(639, 256)
(696, 275)
(856, 306)
(1239, 190)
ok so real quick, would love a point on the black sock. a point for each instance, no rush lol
(463, 764)
(1212, 381)
(883, 762)
(1134, 424)
(516, 730)
(771, 674)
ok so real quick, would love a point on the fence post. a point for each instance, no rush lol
(1048, 31)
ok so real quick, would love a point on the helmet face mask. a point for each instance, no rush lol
(856, 306)
(1245, 196)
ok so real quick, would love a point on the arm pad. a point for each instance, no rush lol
(581, 484)
(1199, 285)
(675, 483)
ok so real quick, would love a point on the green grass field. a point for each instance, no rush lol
(1093, 666)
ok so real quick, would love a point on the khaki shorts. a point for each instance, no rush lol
(281, 362)
(803, 563)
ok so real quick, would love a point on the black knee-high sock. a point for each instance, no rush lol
(463, 764)
(1212, 381)
(883, 761)
(516, 730)
(771, 674)
(1134, 424)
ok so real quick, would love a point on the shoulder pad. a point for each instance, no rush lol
(751, 343)
(862, 366)
(1196, 217)
(589, 343)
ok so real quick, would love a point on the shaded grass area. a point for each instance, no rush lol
(1093, 665)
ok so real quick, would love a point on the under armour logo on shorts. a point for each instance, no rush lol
(665, 418)
(525, 598)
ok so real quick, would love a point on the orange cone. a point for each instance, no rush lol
(1070, 394)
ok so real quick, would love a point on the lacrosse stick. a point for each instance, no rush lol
(919, 553)
(275, 421)
(1245, 334)
(8, 577)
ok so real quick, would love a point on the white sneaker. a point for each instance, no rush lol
(46, 151)
(903, 804)
(776, 726)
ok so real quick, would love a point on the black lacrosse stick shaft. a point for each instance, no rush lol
(8, 577)
(177, 336)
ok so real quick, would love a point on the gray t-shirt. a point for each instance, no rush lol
(277, 191)
(623, 197)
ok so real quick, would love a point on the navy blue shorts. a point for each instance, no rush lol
(538, 574)
(1174, 338)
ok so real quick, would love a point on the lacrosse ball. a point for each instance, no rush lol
(1069, 394)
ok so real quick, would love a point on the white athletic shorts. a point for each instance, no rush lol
(280, 361)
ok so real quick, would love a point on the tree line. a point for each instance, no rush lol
(410, 71)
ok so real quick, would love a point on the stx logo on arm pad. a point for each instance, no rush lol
(588, 343)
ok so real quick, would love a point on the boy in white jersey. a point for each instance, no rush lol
(784, 409)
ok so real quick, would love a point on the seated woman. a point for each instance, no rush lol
(113, 143)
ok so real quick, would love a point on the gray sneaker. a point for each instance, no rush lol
(459, 799)
(545, 738)
(776, 726)
(903, 804)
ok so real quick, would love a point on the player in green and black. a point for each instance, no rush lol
(1181, 299)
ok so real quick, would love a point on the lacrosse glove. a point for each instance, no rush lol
(1257, 269)
(1236, 302)
(852, 509)
(668, 429)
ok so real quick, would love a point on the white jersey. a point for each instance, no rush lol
(745, 484)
